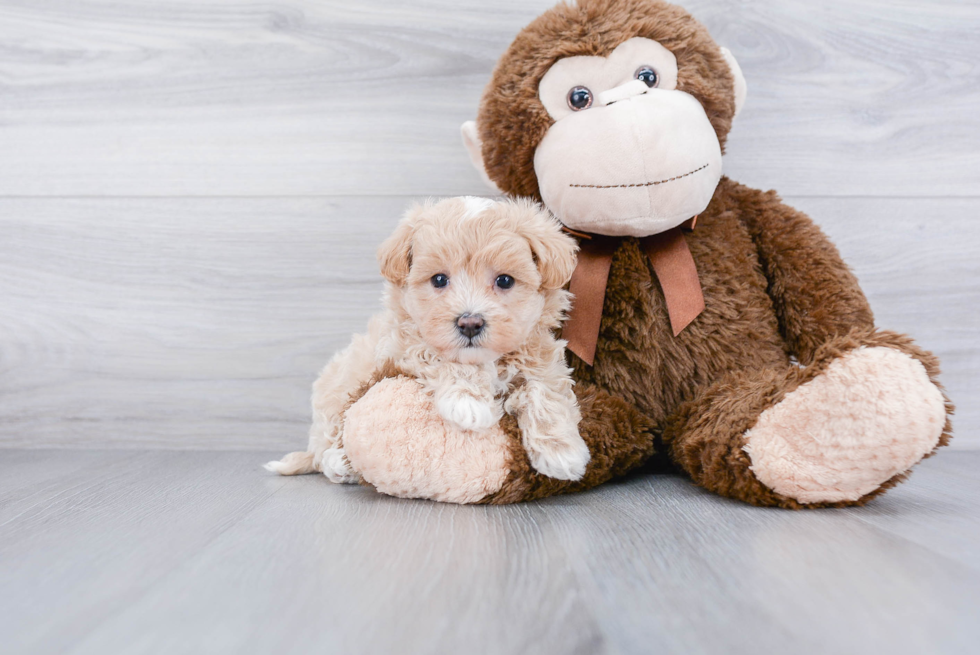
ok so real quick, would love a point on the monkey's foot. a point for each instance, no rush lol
(871, 415)
(395, 438)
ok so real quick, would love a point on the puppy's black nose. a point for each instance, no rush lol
(470, 325)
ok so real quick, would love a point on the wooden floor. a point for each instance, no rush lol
(203, 552)
(191, 194)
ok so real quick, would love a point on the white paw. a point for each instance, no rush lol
(469, 413)
(559, 458)
(336, 467)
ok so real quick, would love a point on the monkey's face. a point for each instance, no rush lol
(628, 154)
(613, 112)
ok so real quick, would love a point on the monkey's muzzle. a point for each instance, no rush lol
(634, 165)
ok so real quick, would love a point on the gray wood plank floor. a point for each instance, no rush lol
(191, 192)
(191, 552)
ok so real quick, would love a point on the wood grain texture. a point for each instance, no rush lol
(155, 552)
(176, 322)
(312, 97)
(201, 323)
(191, 193)
(94, 541)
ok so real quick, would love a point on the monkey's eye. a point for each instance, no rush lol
(647, 75)
(579, 98)
(504, 281)
(439, 280)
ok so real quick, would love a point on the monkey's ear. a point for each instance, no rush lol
(741, 88)
(395, 254)
(471, 139)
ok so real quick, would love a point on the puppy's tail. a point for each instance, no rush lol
(299, 463)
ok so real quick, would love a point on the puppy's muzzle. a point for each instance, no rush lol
(470, 325)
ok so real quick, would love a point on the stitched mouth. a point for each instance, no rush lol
(638, 184)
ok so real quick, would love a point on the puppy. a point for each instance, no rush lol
(473, 293)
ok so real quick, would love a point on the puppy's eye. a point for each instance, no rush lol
(504, 281)
(647, 75)
(579, 98)
(439, 280)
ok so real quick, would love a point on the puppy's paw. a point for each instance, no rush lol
(562, 458)
(468, 413)
(336, 467)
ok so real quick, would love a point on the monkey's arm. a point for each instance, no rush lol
(814, 293)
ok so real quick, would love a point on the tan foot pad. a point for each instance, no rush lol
(872, 414)
(396, 440)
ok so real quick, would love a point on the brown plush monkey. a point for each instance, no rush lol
(743, 350)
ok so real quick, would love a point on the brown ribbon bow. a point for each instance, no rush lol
(672, 262)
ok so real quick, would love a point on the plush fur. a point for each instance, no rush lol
(776, 294)
(707, 436)
(406, 450)
(782, 392)
(512, 121)
(397, 443)
(825, 442)
(513, 364)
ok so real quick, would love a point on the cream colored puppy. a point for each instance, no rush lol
(473, 294)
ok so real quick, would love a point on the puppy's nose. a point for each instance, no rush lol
(470, 325)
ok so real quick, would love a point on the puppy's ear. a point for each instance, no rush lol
(395, 254)
(554, 251)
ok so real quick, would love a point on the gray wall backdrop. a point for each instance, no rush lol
(191, 191)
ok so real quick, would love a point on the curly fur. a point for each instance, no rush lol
(780, 304)
(515, 363)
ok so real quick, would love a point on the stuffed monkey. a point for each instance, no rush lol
(712, 323)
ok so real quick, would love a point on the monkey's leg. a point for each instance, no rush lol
(836, 433)
(618, 436)
(396, 440)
